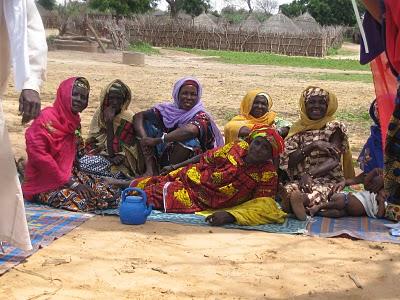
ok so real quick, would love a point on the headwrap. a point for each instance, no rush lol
(371, 155)
(305, 123)
(51, 143)
(174, 116)
(272, 136)
(245, 119)
(98, 124)
(315, 92)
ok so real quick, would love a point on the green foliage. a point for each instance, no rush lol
(295, 8)
(47, 4)
(233, 15)
(358, 116)
(325, 12)
(122, 7)
(143, 47)
(262, 58)
(194, 7)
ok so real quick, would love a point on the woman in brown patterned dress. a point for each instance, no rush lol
(317, 154)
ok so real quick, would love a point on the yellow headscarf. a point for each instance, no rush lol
(98, 124)
(232, 128)
(305, 123)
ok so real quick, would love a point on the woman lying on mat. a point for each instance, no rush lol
(315, 146)
(239, 180)
(52, 144)
(174, 132)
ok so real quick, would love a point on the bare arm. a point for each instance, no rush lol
(299, 155)
(381, 197)
(138, 124)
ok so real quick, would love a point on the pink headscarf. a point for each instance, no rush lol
(51, 144)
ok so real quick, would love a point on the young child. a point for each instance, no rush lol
(370, 202)
(357, 204)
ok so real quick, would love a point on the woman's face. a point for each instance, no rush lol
(316, 107)
(260, 151)
(187, 97)
(80, 99)
(260, 106)
(115, 100)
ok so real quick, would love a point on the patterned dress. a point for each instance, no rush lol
(155, 127)
(321, 186)
(221, 179)
(65, 198)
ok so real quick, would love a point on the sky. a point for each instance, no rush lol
(216, 4)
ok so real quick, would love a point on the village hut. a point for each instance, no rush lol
(279, 24)
(307, 23)
(250, 24)
(204, 21)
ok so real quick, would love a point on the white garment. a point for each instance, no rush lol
(22, 45)
(368, 200)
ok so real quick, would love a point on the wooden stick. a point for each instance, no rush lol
(356, 281)
(97, 38)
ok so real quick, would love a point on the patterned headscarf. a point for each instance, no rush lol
(272, 136)
(315, 91)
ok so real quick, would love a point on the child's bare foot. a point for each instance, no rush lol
(298, 208)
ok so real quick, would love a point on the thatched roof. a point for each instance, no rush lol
(307, 23)
(205, 21)
(251, 23)
(279, 23)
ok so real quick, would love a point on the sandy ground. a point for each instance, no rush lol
(103, 259)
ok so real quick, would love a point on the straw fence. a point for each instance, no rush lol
(168, 33)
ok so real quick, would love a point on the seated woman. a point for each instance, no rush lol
(254, 109)
(52, 144)
(173, 132)
(315, 146)
(223, 178)
(111, 132)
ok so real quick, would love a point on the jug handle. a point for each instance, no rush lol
(129, 189)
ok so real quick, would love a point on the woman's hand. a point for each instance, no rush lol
(84, 191)
(373, 182)
(220, 218)
(149, 142)
(305, 183)
(167, 169)
(116, 159)
(109, 114)
(327, 147)
(338, 187)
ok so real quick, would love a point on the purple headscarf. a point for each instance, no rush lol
(174, 116)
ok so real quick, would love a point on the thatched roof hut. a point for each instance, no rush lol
(279, 23)
(204, 21)
(251, 23)
(307, 23)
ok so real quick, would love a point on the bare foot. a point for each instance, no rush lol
(298, 208)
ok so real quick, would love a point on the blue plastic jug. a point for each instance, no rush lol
(133, 209)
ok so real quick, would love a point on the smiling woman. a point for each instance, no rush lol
(174, 132)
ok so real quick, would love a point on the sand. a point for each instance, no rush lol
(103, 259)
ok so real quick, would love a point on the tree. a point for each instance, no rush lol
(194, 7)
(267, 6)
(338, 12)
(233, 15)
(47, 4)
(191, 7)
(295, 8)
(325, 12)
(123, 7)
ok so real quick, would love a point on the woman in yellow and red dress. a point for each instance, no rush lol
(220, 178)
